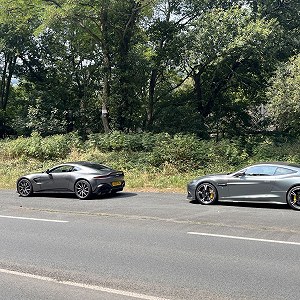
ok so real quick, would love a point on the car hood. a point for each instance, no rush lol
(33, 175)
(211, 176)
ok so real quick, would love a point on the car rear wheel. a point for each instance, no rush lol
(293, 197)
(24, 187)
(83, 189)
(206, 193)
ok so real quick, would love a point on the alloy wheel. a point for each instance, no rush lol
(206, 193)
(293, 198)
(24, 187)
(83, 189)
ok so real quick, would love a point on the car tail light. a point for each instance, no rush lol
(102, 176)
(117, 174)
(114, 174)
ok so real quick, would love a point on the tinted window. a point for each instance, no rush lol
(261, 170)
(62, 169)
(98, 167)
(284, 171)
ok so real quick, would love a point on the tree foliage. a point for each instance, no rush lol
(142, 65)
(284, 96)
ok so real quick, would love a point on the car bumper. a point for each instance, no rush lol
(105, 188)
(191, 192)
(189, 196)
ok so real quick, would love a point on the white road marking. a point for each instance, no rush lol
(244, 238)
(33, 219)
(81, 285)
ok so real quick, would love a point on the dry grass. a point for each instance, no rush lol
(167, 180)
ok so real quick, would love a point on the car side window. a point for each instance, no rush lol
(284, 171)
(261, 171)
(62, 169)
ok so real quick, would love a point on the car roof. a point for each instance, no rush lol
(279, 163)
(82, 163)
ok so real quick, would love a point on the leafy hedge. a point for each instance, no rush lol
(56, 146)
(156, 151)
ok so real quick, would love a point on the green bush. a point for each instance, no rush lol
(146, 151)
(118, 141)
(187, 152)
(182, 151)
(56, 146)
(270, 151)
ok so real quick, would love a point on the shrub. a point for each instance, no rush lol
(146, 151)
(118, 141)
(182, 151)
(270, 151)
(56, 146)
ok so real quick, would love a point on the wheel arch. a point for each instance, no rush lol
(78, 179)
(22, 177)
(291, 187)
(212, 182)
(293, 204)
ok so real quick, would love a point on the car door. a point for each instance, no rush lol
(255, 184)
(57, 179)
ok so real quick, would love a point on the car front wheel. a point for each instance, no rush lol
(83, 189)
(293, 197)
(24, 187)
(206, 193)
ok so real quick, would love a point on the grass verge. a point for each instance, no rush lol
(146, 180)
(151, 162)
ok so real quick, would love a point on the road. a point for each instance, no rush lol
(153, 246)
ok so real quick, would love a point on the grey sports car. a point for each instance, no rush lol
(266, 182)
(82, 178)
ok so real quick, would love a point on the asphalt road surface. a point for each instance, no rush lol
(151, 246)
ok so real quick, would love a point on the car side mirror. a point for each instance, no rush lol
(239, 174)
(47, 171)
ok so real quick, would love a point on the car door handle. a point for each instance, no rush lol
(222, 184)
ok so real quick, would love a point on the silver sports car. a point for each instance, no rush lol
(82, 178)
(267, 182)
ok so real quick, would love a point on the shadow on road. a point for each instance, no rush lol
(95, 197)
(250, 204)
(114, 196)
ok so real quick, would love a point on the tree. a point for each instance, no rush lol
(284, 97)
(17, 23)
(112, 25)
(287, 15)
(226, 54)
(156, 65)
(163, 53)
(63, 87)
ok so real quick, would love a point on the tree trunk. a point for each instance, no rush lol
(151, 100)
(126, 105)
(106, 67)
(8, 70)
(204, 106)
(105, 97)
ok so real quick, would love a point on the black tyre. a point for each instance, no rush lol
(83, 189)
(206, 193)
(293, 197)
(24, 187)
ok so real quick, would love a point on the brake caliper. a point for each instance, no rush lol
(295, 198)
